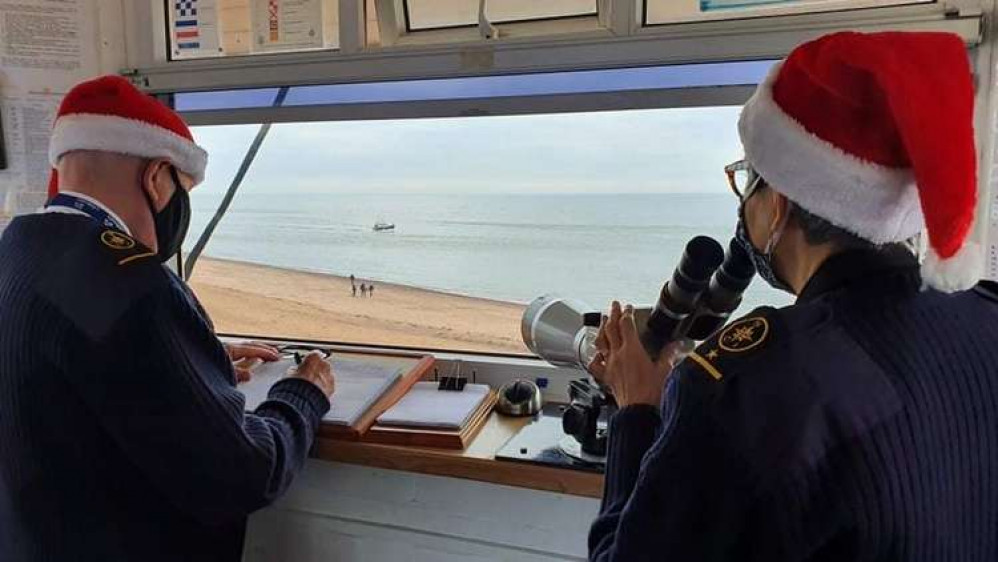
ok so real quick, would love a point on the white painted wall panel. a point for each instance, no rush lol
(337, 511)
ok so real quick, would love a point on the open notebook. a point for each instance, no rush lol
(359, 384)
(425, 406)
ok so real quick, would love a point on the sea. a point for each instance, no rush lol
(509, 247)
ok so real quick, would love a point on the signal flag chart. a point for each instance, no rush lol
(195, 31)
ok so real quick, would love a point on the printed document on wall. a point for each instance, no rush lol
(287, 25)
(194, 29)
(27, 125)
(43, 40)
(46, 46)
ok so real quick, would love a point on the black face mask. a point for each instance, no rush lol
(172, 222)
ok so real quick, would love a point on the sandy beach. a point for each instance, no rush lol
(245, 298)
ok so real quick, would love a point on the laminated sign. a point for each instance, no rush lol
(194, 28)
(708, 5)
(287, 25)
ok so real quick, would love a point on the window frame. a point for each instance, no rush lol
(615, 39)
(621, 92)
(406, 12)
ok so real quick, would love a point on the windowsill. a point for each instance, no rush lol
(477, 461)
(491, 369)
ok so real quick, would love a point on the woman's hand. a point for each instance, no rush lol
(622, 363)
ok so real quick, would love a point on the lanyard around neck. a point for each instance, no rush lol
(86, 207)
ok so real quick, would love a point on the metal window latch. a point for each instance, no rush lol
(957, 9)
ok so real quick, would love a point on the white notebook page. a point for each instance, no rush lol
(359, 384)
(425, 406)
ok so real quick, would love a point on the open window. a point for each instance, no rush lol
(450, 225)
(515, 148)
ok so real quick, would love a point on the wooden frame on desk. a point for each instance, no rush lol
(436, 438)
(420, 371)
(476, 462)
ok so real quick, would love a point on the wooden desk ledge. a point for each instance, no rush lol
(477, 462)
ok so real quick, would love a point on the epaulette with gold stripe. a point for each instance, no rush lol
(123, 248)
(734, 343)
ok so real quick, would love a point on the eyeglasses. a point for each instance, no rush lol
(742, 179)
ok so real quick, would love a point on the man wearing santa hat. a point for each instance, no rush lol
(122, 436)
(860, 423)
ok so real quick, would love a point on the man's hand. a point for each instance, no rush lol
(623, 364)
(247, 355)
(316, 370)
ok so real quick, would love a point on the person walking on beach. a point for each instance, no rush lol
(370, 290)
(353, 288)
(363, 290)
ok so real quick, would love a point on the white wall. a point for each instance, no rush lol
(340, 512)
(986, 116)
(47, 46)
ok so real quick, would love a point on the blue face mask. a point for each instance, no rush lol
(763, 260)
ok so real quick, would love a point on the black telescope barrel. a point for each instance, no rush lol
(700, 260)
(681, 293)
(725, 292)
(737, 271)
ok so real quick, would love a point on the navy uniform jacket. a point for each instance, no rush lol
(860, 423)
(122, 436)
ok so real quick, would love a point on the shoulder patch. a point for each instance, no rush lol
(735, 342)
(744, 335)
(124, 248)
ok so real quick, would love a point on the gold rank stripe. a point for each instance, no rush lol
(706, 365)
(136, 257)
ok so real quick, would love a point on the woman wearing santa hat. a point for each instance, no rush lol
(860, 423)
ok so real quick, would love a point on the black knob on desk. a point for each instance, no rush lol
(592, 319)
(573, 420)
(519, 392)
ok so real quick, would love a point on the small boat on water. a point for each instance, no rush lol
(382, 225)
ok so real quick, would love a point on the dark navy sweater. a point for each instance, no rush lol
(859, 424)
(122, 436)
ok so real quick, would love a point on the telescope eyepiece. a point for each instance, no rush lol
(737, 270)
(725, 292)
(682, 293)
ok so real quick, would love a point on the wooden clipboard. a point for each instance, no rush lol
(441, 439)
(415, 367)
(421, 367)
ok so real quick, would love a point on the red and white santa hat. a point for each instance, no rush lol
(874, 133)
(109, 114)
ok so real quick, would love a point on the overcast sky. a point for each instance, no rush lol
(647, 151)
